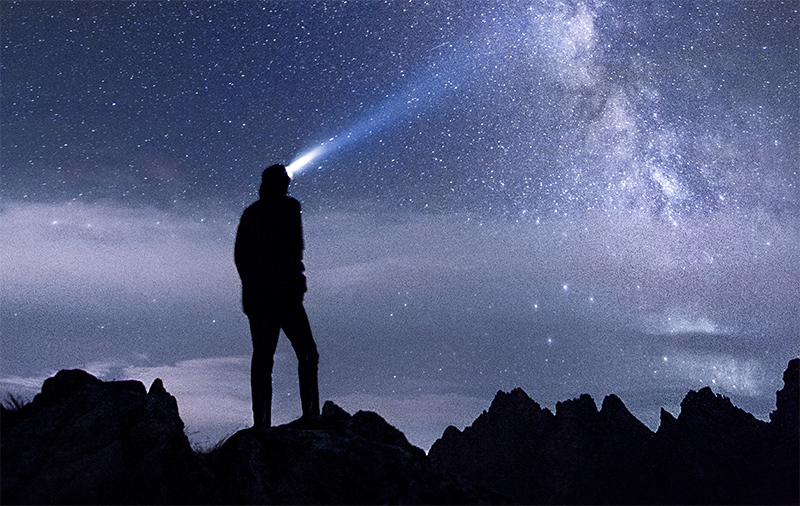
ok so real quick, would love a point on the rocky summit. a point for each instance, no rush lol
(712, 453)
(85, 441)
(340, 459)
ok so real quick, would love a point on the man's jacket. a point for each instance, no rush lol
(269, 253)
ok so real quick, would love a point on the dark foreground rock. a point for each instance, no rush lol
(578, 456)
(340, 459)
(713, 453)
(85, 441)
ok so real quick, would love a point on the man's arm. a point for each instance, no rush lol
(243, 247)
(296, 228)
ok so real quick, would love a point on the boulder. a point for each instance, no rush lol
(85, 441)
(338, 459)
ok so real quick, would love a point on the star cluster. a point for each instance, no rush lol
(518, 108)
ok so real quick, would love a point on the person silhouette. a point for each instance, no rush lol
(268, 254)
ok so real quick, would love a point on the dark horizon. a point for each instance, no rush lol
(513, 453)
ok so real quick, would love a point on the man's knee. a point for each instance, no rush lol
(308, 358)
(311, 357)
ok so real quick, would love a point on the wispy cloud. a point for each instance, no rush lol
(483, 303)
(212, 391)
(78, 252)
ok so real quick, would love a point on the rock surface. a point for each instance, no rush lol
(85, 441)
(340, 459)
(578, 456)
(713, 453)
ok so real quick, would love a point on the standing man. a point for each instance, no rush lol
(269, 257)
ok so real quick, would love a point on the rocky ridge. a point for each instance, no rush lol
(712, 453)
(85, 441)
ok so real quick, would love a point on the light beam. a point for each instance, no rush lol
(441, 76)
(301, 162)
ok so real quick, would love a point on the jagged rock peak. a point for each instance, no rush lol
(512, 399)
(514, 405)
(369, 425)
(578, 407)
(612, 403)
(82, 440)
(666, 419)
(787, 399)
(613, 408)
(615, 413)
(66, 381)
(713, 453)
(705, 407)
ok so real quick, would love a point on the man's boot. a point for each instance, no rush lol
(309, 390)
(262, 406)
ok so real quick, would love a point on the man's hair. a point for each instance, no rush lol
(274, 181)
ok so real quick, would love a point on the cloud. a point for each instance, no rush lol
(723, 372)
(62, 253)
(114, 261)
(675, 323)
(24, 387)
(465, 304)
(212, 391)
(631, 264)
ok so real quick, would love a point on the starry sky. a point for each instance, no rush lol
(564, 196)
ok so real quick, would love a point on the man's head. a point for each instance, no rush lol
(274, 181)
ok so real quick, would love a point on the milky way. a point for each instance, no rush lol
(564, 196)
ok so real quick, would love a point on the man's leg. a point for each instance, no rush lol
(265, 330)
(298, 331)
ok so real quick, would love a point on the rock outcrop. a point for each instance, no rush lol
(713, 453)
(85, 441)
(578, 456)
(785, 426)
(340, 459)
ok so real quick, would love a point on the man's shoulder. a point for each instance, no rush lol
(293, 202)
(252, 209)
(283, 202)
(288, 200)
(271, 205)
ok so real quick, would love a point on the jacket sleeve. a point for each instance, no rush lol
(296, 231)
(296, 237)
(244, 247)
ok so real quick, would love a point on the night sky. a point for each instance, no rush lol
(564, 196)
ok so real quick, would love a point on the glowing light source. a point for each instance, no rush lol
(302, 162)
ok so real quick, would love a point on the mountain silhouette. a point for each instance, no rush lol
(713, 453)
(85, 441)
